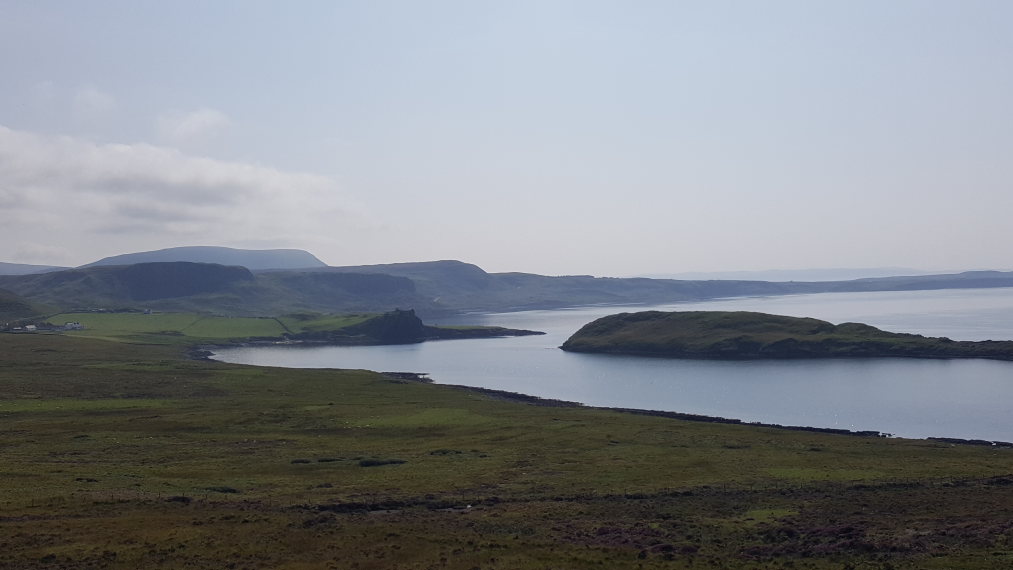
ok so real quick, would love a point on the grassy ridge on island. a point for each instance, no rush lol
(749, 335)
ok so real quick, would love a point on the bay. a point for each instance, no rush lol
(905, 397)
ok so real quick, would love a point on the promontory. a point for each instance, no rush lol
(741, 335)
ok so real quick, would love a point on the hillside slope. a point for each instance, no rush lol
(206, 287)
(748, 335)
(26, 269)
(127, 285)
(13, 307)
(463, 287)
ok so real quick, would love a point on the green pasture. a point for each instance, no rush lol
(169, 328)
(182, 328)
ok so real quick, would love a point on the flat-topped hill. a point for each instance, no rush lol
(749, 335)
(252, 259)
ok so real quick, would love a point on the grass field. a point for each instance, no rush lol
(123, 455)
(189, 328)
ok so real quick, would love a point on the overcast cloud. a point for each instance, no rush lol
(182, 127)
(53, 188)
(549, 136)
(91, 104)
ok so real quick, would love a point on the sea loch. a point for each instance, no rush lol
(905, 397)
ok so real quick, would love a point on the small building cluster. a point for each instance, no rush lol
(40, 327)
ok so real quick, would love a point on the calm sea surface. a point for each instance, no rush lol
(904, 397)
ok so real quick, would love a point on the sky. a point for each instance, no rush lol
(546, 136)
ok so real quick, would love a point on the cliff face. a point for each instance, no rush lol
(746, 335)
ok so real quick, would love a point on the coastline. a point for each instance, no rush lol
(204, 352)
(932, 425)
(517, 397)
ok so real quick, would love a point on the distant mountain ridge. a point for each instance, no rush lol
(248, 282)
(252, 259)
(26, 268)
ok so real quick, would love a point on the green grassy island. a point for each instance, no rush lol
(749, 335)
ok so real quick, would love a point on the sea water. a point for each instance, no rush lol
(969, 398)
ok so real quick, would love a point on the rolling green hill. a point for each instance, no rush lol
(748, 335)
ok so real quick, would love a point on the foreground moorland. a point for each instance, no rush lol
(122, 455)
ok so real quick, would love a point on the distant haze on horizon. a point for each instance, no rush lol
(553, 137)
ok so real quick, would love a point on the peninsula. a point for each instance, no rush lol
(395, 327)
(741, 335)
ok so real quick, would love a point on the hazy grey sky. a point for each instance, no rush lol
(555, 137)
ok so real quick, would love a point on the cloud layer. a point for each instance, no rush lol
(92, 104)
(180, 127)
(124, 197)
